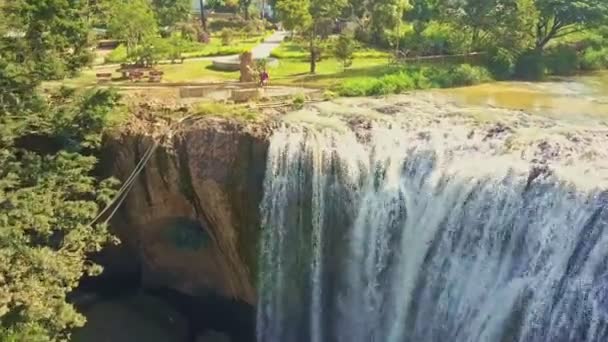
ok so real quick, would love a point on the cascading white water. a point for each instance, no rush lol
(407, 237)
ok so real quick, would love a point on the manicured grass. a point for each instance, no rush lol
(216, 48)
(189, 71)
(330, 72)
(294, 50)
(195, 71)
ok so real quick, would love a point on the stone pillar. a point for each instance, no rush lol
(247, 72)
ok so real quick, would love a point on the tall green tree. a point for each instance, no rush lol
(56, 35)
(244, 7)
(133, 22)
(386, 15)
(294, 14)
(559, 18)
(48, 196)
(480, 17)
(420, 13)
(313, 18)
(170, 12)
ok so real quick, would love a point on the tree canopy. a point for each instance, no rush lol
(48, 195)
(314, 18)
(133, 22)
(171, 12)
(56, 35)
(558, 18)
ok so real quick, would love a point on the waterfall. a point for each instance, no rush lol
(401, 236)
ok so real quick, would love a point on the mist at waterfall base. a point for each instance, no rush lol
(403, 238)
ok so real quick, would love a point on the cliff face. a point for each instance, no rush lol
(192, 218)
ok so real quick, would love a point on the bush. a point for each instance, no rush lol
(118, 55)
(501, 63)
(220, 24)
(530, 66)
(150, 52)
(436, 39)
(466, 75)
(354, 88)
(562, 60)
(253, 28)
(344, 50)
(329, 95)
(409, 78)
(594, 59)
(299, 100)
(227, 36)
(218, 109)
(176, 47)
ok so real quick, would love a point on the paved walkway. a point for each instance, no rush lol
(263, 50)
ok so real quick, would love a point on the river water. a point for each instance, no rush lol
(475, 214)
(580, 98)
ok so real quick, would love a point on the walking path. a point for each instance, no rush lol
(265, 48)
(261, 51)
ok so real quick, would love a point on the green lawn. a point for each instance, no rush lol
(195, 71)
(330, 71)
(215, 47)
(289, 72)
(293, 50)
(293, 68)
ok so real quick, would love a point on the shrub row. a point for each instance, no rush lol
(409, 78)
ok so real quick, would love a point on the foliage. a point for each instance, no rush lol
(150, 51)
(223, 5)
(415, 77)
(118, 55)
(227, 36)
(56, 36)
(294, 14)
(420, 13)
(244, 7)
(260, 65)
(220, 109)
(171, 12)
(176, 47)
(345, 49)
(530, 65)
(313, 18)
(134, 23)
(385, 15)
(479, 16)
(189, 31)
(329, 95)
(48, 195)
(218, 24)
(436, 39)
(594, 59)
(299, 100)
(559, 18)
(48, 198)
(501, 63)
(562, 60)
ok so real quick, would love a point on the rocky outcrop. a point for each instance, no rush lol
(191, 220)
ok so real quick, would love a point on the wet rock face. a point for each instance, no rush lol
(192, 218)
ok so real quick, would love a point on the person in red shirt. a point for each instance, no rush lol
(264, 78)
